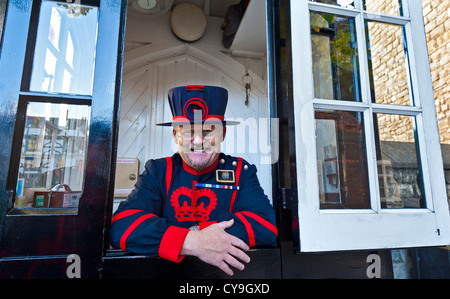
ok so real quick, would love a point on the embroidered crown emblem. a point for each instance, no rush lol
(196, 211)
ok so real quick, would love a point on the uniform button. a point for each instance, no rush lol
(245, 167)
(222, 161)
(234, 163)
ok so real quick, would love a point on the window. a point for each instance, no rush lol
(335, 57)
(54, 107)
(65, 48)
(53, 155)
(341, 160)
(361, 110)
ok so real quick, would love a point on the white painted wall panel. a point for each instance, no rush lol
(144, 104)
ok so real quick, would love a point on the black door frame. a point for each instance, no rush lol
(37, 246)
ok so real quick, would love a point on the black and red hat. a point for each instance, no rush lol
(198, 103)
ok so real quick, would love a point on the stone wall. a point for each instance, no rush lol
(389, 65)
(437, 27)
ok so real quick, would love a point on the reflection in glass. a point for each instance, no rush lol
(335, 57)
(388, 7)
(341, 160)
(65, 48)
(343, 3)
(399, 171)
(388, 68)
(53, 155)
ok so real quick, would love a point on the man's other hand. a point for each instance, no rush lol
(216, 247)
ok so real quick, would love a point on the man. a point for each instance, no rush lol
(199, 202)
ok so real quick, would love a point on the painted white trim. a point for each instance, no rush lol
(423, 90)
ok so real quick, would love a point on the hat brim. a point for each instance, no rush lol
(177, 123)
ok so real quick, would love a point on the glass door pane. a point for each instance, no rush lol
(53, 156)
(399, 172)
(335, 57)
(341, 160)
(388, 65)
(65, 48)
(389, 7)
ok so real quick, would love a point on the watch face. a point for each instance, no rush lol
(195, 227)
(146, 4)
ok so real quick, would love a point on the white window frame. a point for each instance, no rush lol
(374, 228)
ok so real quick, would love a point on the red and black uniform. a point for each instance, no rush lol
(170, 197)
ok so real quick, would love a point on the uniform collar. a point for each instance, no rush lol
(194, 171)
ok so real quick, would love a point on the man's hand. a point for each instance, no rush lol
(216, 247)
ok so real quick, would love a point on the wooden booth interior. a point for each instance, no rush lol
(177, 44)
(160, 53)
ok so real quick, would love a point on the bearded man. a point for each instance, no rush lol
(199, 202)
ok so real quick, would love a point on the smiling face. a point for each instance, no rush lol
(199, 145)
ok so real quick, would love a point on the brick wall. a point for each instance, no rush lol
(437, 27)
(389, 68)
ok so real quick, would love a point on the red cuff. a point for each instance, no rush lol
(171, 243)
(203, 225)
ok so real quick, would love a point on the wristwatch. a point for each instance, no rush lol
(195, 227)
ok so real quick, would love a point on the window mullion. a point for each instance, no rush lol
(422, 152)
(372, 164)
(339, 105)
(363, 59)
(405, 8)
(396, 109)
(377, 17)
(358, 4)
(372, 172)
(412, 68)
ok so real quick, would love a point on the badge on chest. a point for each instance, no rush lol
(225, 176)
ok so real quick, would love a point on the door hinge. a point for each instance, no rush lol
(9, 198)
(283, 199)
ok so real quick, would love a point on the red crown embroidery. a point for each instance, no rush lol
(193, 212)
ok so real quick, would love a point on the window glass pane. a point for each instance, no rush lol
(65, 48)
(343, 3)
(388, 68)
(341, 160)
(335, 57)
(399, 172)
(388, 7)
(53, 155)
